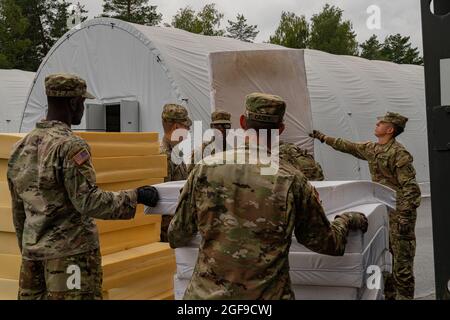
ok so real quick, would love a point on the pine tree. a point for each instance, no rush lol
(135, 11)
(292, 32)
(14, 43)
(206, 21)
(241, 30)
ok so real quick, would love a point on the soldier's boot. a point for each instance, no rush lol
(165, 222)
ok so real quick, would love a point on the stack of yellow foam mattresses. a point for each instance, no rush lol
(135, 264)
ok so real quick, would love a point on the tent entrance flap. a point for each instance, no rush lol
(233, 75)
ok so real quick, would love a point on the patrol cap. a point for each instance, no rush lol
(394, 118)
(176, 113)
(66, 85)
(221, 117)
(264, 107)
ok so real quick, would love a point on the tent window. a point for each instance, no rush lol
(113, 118)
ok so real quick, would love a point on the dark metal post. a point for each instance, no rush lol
(436, 47)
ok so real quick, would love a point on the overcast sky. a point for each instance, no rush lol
(396, 16)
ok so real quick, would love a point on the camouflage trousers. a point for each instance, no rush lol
(402, 244)
(165, 222)
(77, 277)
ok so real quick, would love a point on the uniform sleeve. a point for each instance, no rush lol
(191, 165)
(86, 197)
(183, 226)
(312, 228)
(358, 150)
(408, 195)
(18, 212)
(170, 170)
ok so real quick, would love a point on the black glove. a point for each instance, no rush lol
(318, 135)
(356, 220)
(148, 196)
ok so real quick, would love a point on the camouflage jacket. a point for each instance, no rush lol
(175, 172)
(246, 221)
(55, 197)
(301, 160)
(389, 164)
(200, 154)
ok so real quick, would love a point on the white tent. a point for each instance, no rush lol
(14, 88)
(151, 66)
(348, 93)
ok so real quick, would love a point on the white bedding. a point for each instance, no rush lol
(335, 195)
(316, 276)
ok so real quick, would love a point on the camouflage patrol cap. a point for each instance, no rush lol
(176, 113)
(66, 85)
(264, 107)
(394, 118)
(220, 117)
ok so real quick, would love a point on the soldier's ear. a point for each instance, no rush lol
(73, 103)
(243, 122)
(390, 129)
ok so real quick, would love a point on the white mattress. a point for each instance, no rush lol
(377, 216)
(314, 275)
(334, 293)
(335, 195)
(306, 292)
(309, 268)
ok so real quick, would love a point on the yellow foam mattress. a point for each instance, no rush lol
(120, 169)
(7, 140)
(8, 243)
(125, 239)
(6, 221)
(124, 268)
(10, 266)
(8, 289)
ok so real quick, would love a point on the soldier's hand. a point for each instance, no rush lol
(318, 135)
(148, 195)
(356, 220)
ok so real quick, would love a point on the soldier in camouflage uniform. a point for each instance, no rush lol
(301, 160)
(55, 200)
(391, 165)
(247, 219)
(221, 121)
(173, 117)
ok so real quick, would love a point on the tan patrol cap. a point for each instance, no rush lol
(66, 85)
(176, 113)
(395, 118)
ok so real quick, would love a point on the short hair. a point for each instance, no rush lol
(258, 125)
(220, 126)
(167, 125)
(397, 130)
(58, 100)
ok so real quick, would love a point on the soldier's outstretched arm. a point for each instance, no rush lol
(183, 226)
(80, 184)
(358, 150)
(18, 212)
(312, 228)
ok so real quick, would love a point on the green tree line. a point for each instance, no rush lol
(29, 28)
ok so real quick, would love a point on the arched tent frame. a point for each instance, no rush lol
(14, 88)
(182, 57)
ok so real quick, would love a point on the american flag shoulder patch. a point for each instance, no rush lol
(81, 157)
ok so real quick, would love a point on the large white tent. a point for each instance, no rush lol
(152, 66)
(14, 88)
